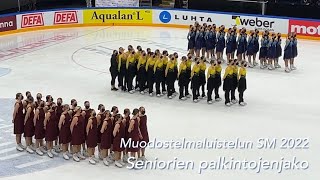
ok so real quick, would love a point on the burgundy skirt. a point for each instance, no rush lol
(65, 134)
(77, 135)
(29, 128)
(105, 140)
(18, 125)
(51, 131)
(39, 132)
(92, 138)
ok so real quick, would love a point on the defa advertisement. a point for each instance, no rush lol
(122, 16)
(65, 17)
(187, 17)
(32, 20)
(305, 28)
(8, 23)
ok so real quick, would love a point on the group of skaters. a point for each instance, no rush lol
(161, 69)
(211, 42)
(77, 132)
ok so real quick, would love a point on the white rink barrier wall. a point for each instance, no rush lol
(30, 21)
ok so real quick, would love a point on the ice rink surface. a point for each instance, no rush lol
(73, 63)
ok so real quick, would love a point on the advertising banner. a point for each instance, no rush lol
(49, 18)
(117, 3)
(304, 27)
(229, 20)
(123, 16)
(8, 23)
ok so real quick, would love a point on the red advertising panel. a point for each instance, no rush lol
(32, 20)
(8, 23)
(305, 28)
(65, 17)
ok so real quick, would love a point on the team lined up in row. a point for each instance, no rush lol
(209, 39)
(75, 127)
(149, 68)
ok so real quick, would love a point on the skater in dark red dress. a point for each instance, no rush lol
(118, 134)
(86, 113)
(59, 111)
(144, 131)
(50, 127)
(126, 118)
(114, 112)
(18, 121)
(65, 133)
(77, 133)
(73, 105)
(134, 134)
(92, 131)
(39, 127)
(100, 118)
(29, 124)
(106, 133)
(39, 100)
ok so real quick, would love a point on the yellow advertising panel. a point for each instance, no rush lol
(122, 16)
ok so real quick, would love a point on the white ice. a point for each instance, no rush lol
(280, 105)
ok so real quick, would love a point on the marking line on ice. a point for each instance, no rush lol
(7, 150)
(5, 144)
(11, 156)
(32, 163)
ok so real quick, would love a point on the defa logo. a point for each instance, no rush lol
(32, 20)
(193, 18)
(65, 17)
(256, 23)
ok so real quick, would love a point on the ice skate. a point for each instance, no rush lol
(125, 158)
(76, 158)
(234, 101)
(142, 92)
(158, 95)
(91, 161)
(188, 96)
(22, 146)
(255, 64)
(19, 148)
(118, 164)
(131, 92)
(81, 156)
(57, 148)
(164, 92)
(43, 149)
(29, 150)
(293, 68)
(150, 94)
(39, 152)
(105, 162)
(270, 67)
(137, 89)
(262, 66)
(65, 156)
(54, 152)
(114, 89)
(287, 70)
(228, 104)
(183, 98)
(218, 99)
(146, 90)
(170, 97)
(143, 158)
(242, 104)
(50, 154)
(195, 100)
(33, 146)
(209, 102)
(250, 65)
(277, 66)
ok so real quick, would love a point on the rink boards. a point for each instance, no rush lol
(37, 20)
